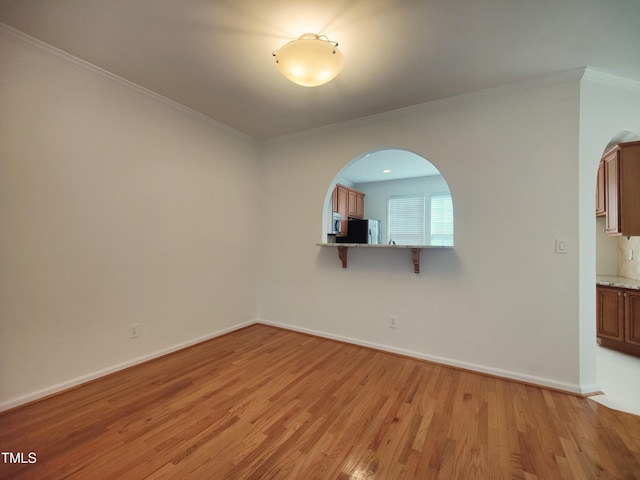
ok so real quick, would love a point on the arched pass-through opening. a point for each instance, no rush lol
(388, 198)
(617, 265)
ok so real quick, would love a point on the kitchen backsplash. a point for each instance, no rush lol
(627, 267)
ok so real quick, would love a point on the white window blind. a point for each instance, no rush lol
(441, 220)
(406, 216)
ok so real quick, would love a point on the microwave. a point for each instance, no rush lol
(336, 221)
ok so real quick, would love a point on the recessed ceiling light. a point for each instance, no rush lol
(386, 170)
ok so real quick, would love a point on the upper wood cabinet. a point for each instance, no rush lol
(341, 205)
(348, 203)
(600, 189)
(356, 204)
(622, 191)
(352, 203)
(360, 205)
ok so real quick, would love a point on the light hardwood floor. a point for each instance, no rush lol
(266, 403)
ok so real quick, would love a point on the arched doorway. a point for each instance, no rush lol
(615, 261)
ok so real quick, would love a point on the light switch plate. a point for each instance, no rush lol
(561, 246)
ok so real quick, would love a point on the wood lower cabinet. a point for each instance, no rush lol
(610, 313)
(618, 319)
(632, 318)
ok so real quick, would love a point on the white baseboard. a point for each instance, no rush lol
(496, 372)
(15, 402)
(530, 379)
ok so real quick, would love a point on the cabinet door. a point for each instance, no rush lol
(352, 203)
(632, 317)
(359, 205)
(343, 207)
(629, 189)
(610, 313)
(612, 199)
(600, 189)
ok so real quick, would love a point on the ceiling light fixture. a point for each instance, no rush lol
(310, 61)
(386, 170)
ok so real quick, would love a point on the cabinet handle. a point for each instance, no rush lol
(619, 293)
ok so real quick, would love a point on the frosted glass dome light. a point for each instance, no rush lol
(311, 60)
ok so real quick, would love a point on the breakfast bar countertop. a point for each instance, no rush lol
(381, 245)
(415, 250)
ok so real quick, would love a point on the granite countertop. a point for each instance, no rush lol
(622, 282)
(381, 245)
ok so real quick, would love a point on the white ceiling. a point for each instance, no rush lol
(214, 56)
(400, 163)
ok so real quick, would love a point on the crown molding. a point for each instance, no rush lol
(533, 83)
(13, 34)
(557, 78)
(595, 75)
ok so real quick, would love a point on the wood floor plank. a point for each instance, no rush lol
(267, 403)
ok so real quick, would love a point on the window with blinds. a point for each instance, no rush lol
(441, 220)
(406, 216)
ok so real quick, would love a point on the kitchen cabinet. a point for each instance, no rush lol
(359, 205)
(356, 204)
(348, 203)
(618, 319)
(600, 189)
(621, 192)
(341, 195)
(610, 313)
(632, 318)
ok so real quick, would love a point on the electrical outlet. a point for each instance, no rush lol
(393, 321)
(134, 330)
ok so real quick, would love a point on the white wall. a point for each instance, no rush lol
(377, 195)
(502, 301)
(115, 208)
